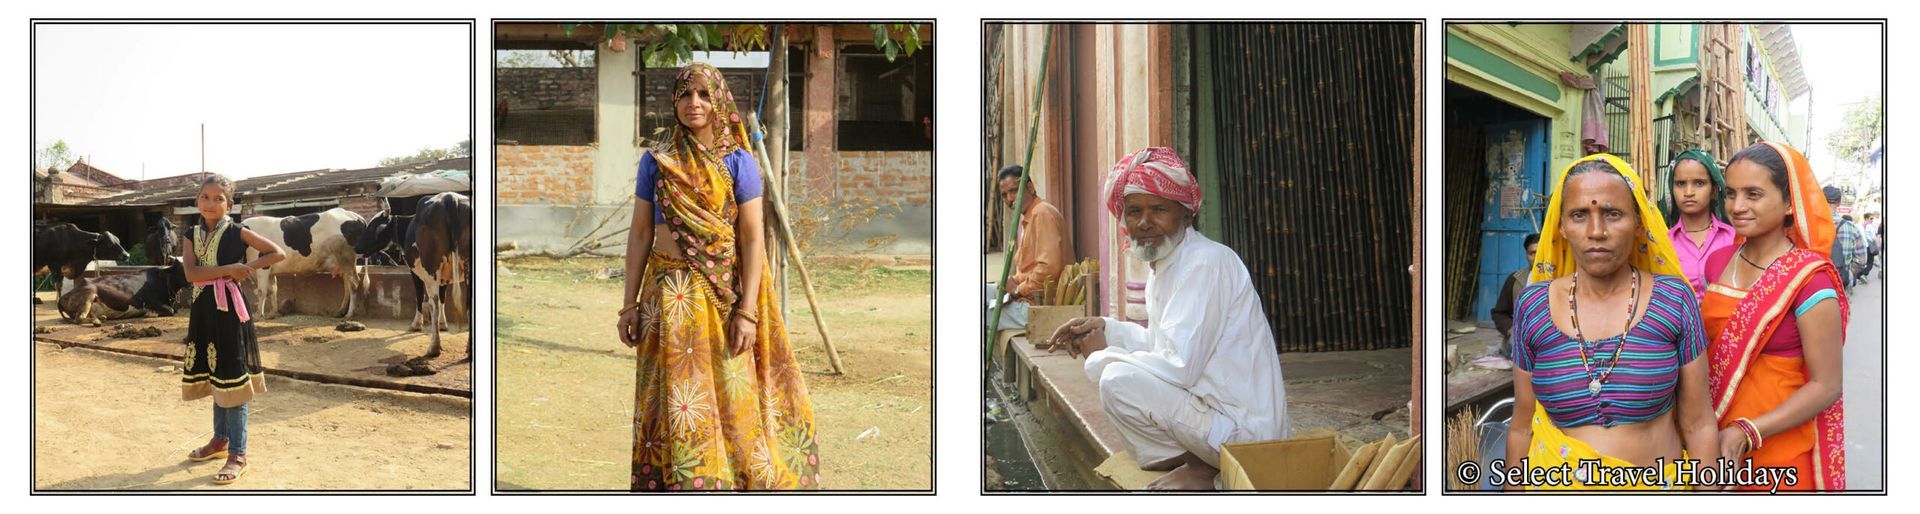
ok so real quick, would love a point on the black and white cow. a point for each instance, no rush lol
(125, 296)
(319, 242)
(163, 241)
(384, 238)
(441, 255)
(386, 234)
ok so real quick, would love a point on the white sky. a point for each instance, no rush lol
(274, 98)
(1842, 64)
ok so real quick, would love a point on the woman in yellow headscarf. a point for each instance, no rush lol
(720, 401)
(1605, 342)
(1777, 317)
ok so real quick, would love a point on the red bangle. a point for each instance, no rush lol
(1753, 433)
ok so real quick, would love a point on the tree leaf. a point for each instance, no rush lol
(698, 37)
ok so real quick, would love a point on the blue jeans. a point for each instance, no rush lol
(231, 425)
(1012, 317)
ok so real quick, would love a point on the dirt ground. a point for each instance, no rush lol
(296, 342)
(303, 435)
(565, 383)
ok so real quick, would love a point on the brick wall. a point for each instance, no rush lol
(546, 88)
(877, 177)
(364, 205)
(552, 175)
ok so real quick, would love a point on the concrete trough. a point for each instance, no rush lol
(389, 293)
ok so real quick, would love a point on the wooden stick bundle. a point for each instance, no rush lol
(1380, 466)
(1071, 287)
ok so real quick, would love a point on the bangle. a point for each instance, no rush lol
(742, 314)
(1753, 433)
(629, 308)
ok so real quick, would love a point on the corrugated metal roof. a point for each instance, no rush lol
(1777, 38)
(285, 183)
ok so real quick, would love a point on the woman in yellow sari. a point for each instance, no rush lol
(720, 402)
(1605, 343)
(1777, 319)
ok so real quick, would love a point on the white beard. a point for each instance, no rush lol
(1153, 253)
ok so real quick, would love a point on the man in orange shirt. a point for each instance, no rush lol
(1043, 249)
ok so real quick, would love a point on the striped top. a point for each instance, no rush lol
(1642, 385)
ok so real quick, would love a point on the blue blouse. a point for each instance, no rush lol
(746, 179)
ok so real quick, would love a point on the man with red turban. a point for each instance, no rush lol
(1205, 370)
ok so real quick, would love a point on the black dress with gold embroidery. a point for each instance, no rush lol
(223, 357)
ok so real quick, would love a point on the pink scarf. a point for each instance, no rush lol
(221, 288)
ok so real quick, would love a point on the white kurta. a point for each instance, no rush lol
(1205, 370)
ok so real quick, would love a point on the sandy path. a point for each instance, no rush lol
(108, 421)
(566, 383)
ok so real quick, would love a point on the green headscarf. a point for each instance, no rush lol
(1716, 205)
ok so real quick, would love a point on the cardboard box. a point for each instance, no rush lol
(1305, 464)
(1043, 320)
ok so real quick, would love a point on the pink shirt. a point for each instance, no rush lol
(1693, 259)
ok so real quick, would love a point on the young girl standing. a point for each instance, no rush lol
(223, 358)
(1697, 213)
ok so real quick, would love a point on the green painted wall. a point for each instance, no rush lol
(1675, 45)
(1494, 69)
(1479, 58)
(1206, 158)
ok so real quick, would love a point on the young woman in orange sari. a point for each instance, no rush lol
(720, 401)
(1777, 320)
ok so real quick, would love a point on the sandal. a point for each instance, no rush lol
(230, 473)
(215, 448)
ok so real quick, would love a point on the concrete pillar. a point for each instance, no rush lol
(616, 154)
(821, 117)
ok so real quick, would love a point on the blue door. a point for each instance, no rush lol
(1516, 171)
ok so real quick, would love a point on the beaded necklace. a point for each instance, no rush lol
(1573, 299)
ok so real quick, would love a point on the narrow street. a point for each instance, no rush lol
(1864, 387)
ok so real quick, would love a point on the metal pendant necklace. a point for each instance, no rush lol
(1594, 380)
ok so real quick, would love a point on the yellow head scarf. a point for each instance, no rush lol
(1654, 252)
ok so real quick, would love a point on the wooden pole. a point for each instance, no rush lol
(1640, 100)
(777, 108)
(1736, 82)
(775, 196)
(1415, 405)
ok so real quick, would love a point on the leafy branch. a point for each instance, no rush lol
(896, 38)
(673, 44)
